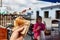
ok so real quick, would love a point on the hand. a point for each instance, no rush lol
(38, 28)
(15, 35)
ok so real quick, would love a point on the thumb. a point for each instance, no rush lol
(19, 29)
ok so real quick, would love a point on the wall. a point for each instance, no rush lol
(52, 12)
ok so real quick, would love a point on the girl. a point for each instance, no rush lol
(38, 27)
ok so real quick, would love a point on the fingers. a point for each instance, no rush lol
(19, 29)
(15, 28)
(15, 33)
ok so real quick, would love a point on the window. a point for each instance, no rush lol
(46, 14)
(37, 13)
(58, 14)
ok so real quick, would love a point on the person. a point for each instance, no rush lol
(9, 30)
(15, 35)
(38, 26)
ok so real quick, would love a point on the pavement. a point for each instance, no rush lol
(53, 36)
(27, 37)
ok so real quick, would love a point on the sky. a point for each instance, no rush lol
(51, 0)
(17, 5)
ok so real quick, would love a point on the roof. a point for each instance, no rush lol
(50, 7)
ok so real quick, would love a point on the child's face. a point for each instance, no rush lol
(39, 20)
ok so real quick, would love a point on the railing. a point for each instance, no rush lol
(9, 18)
(4, 19)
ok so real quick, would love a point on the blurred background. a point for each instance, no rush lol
(30, 10)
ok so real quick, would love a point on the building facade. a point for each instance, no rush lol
(52, 12)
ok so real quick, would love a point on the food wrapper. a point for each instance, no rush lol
(21, 22)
